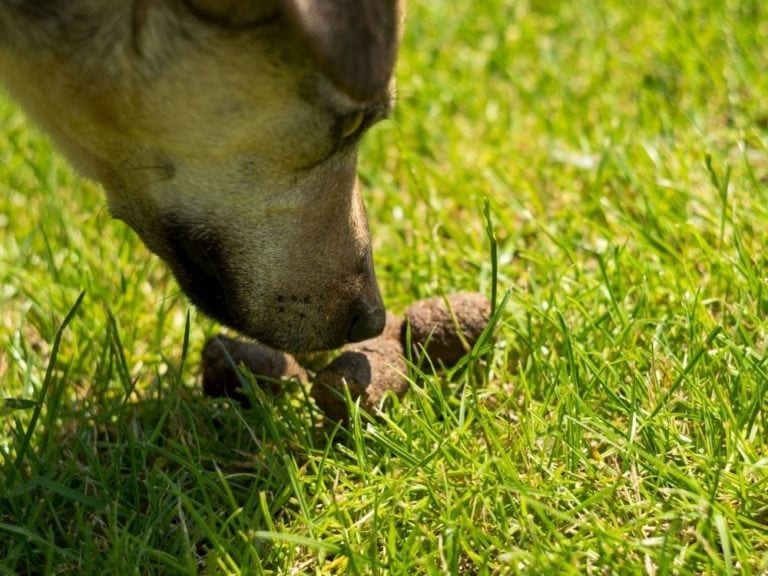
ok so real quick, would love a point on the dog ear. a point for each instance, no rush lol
(354, 41)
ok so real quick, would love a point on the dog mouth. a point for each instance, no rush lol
(295, 318)
(196, 258)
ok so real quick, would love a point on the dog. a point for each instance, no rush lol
(225, 133)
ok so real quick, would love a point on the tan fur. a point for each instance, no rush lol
(218, 141)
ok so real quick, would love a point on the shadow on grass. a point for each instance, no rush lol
(161, 481)
(106, 473)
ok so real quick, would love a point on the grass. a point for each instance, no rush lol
(618, 424)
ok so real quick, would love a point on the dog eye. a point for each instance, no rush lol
(351, 123)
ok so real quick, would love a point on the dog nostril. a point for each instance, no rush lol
(367, 324)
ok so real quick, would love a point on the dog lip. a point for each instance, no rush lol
(195, 259)
(206, 292)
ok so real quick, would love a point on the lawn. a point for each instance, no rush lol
(619, 422)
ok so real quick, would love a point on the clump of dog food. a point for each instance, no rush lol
(447, 328)
(222, 379)
(369, 370)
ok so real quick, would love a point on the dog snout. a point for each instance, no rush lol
(367, 320)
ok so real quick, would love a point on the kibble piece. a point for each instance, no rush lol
(447, 331)
(221, 379)
(369, 370)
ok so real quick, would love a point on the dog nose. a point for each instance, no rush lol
(367, 321)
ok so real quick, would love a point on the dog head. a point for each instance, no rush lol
(225, 134)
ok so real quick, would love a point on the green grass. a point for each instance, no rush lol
(619, 424)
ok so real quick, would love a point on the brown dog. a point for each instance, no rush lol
(225, 133)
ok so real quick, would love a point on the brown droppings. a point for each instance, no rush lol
(220, 379)
(369, 370)
(447, 331)
(393, 328)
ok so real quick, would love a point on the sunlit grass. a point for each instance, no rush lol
(618, 425)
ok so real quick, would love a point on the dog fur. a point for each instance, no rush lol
(225, 133)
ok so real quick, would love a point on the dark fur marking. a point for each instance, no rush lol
(196, 259)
